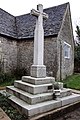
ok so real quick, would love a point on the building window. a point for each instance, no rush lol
(67, 48)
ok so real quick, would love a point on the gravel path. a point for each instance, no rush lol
(74, 115)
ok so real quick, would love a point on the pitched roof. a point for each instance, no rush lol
(23, 26)
(7, 24)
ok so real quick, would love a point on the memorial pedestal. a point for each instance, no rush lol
(34, 96)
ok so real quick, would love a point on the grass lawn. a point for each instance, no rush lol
(73, 81)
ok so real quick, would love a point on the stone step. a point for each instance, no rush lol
(63, 93)
(32, 110)
(27, 97)
(33, 89)
(37, 81)
(70, 99)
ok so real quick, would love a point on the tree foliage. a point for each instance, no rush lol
(78, 34)
(77, 51)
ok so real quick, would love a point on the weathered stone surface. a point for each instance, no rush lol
(29, 98)
(62, 93)
(65, 65)
(70, 99)
(39, 36)
(25, 55)
(20, 54)
(31, 110)
(34, 89)
(37, 81)
(38, 71)
(8, 54)
(58, 85)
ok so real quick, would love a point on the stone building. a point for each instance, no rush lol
(16, 41)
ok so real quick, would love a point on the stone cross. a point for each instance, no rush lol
(38, 42)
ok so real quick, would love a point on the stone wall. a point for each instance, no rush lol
(19, 54)
(50, 56)
(25, 55)
(66, 66)
(8, 54)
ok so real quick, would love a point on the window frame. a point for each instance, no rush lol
(68, 46)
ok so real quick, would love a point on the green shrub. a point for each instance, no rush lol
(10, 111)
(18, 73)
(6, 79)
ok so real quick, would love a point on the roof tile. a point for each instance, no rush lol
(23, 26)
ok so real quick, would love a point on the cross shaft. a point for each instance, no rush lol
(38, 69)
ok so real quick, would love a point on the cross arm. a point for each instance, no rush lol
(45, 15)
(34, 12)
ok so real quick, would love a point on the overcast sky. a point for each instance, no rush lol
(19, 7)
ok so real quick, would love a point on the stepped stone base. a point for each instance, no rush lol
(38, 81)
(70, 99)
(33, 89)
(34, 96)
(29, 98)
(36, 109)
(31, 110)
(62, 93)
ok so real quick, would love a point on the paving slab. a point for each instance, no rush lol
(70, 99)
(75, 91)
(3, 115)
